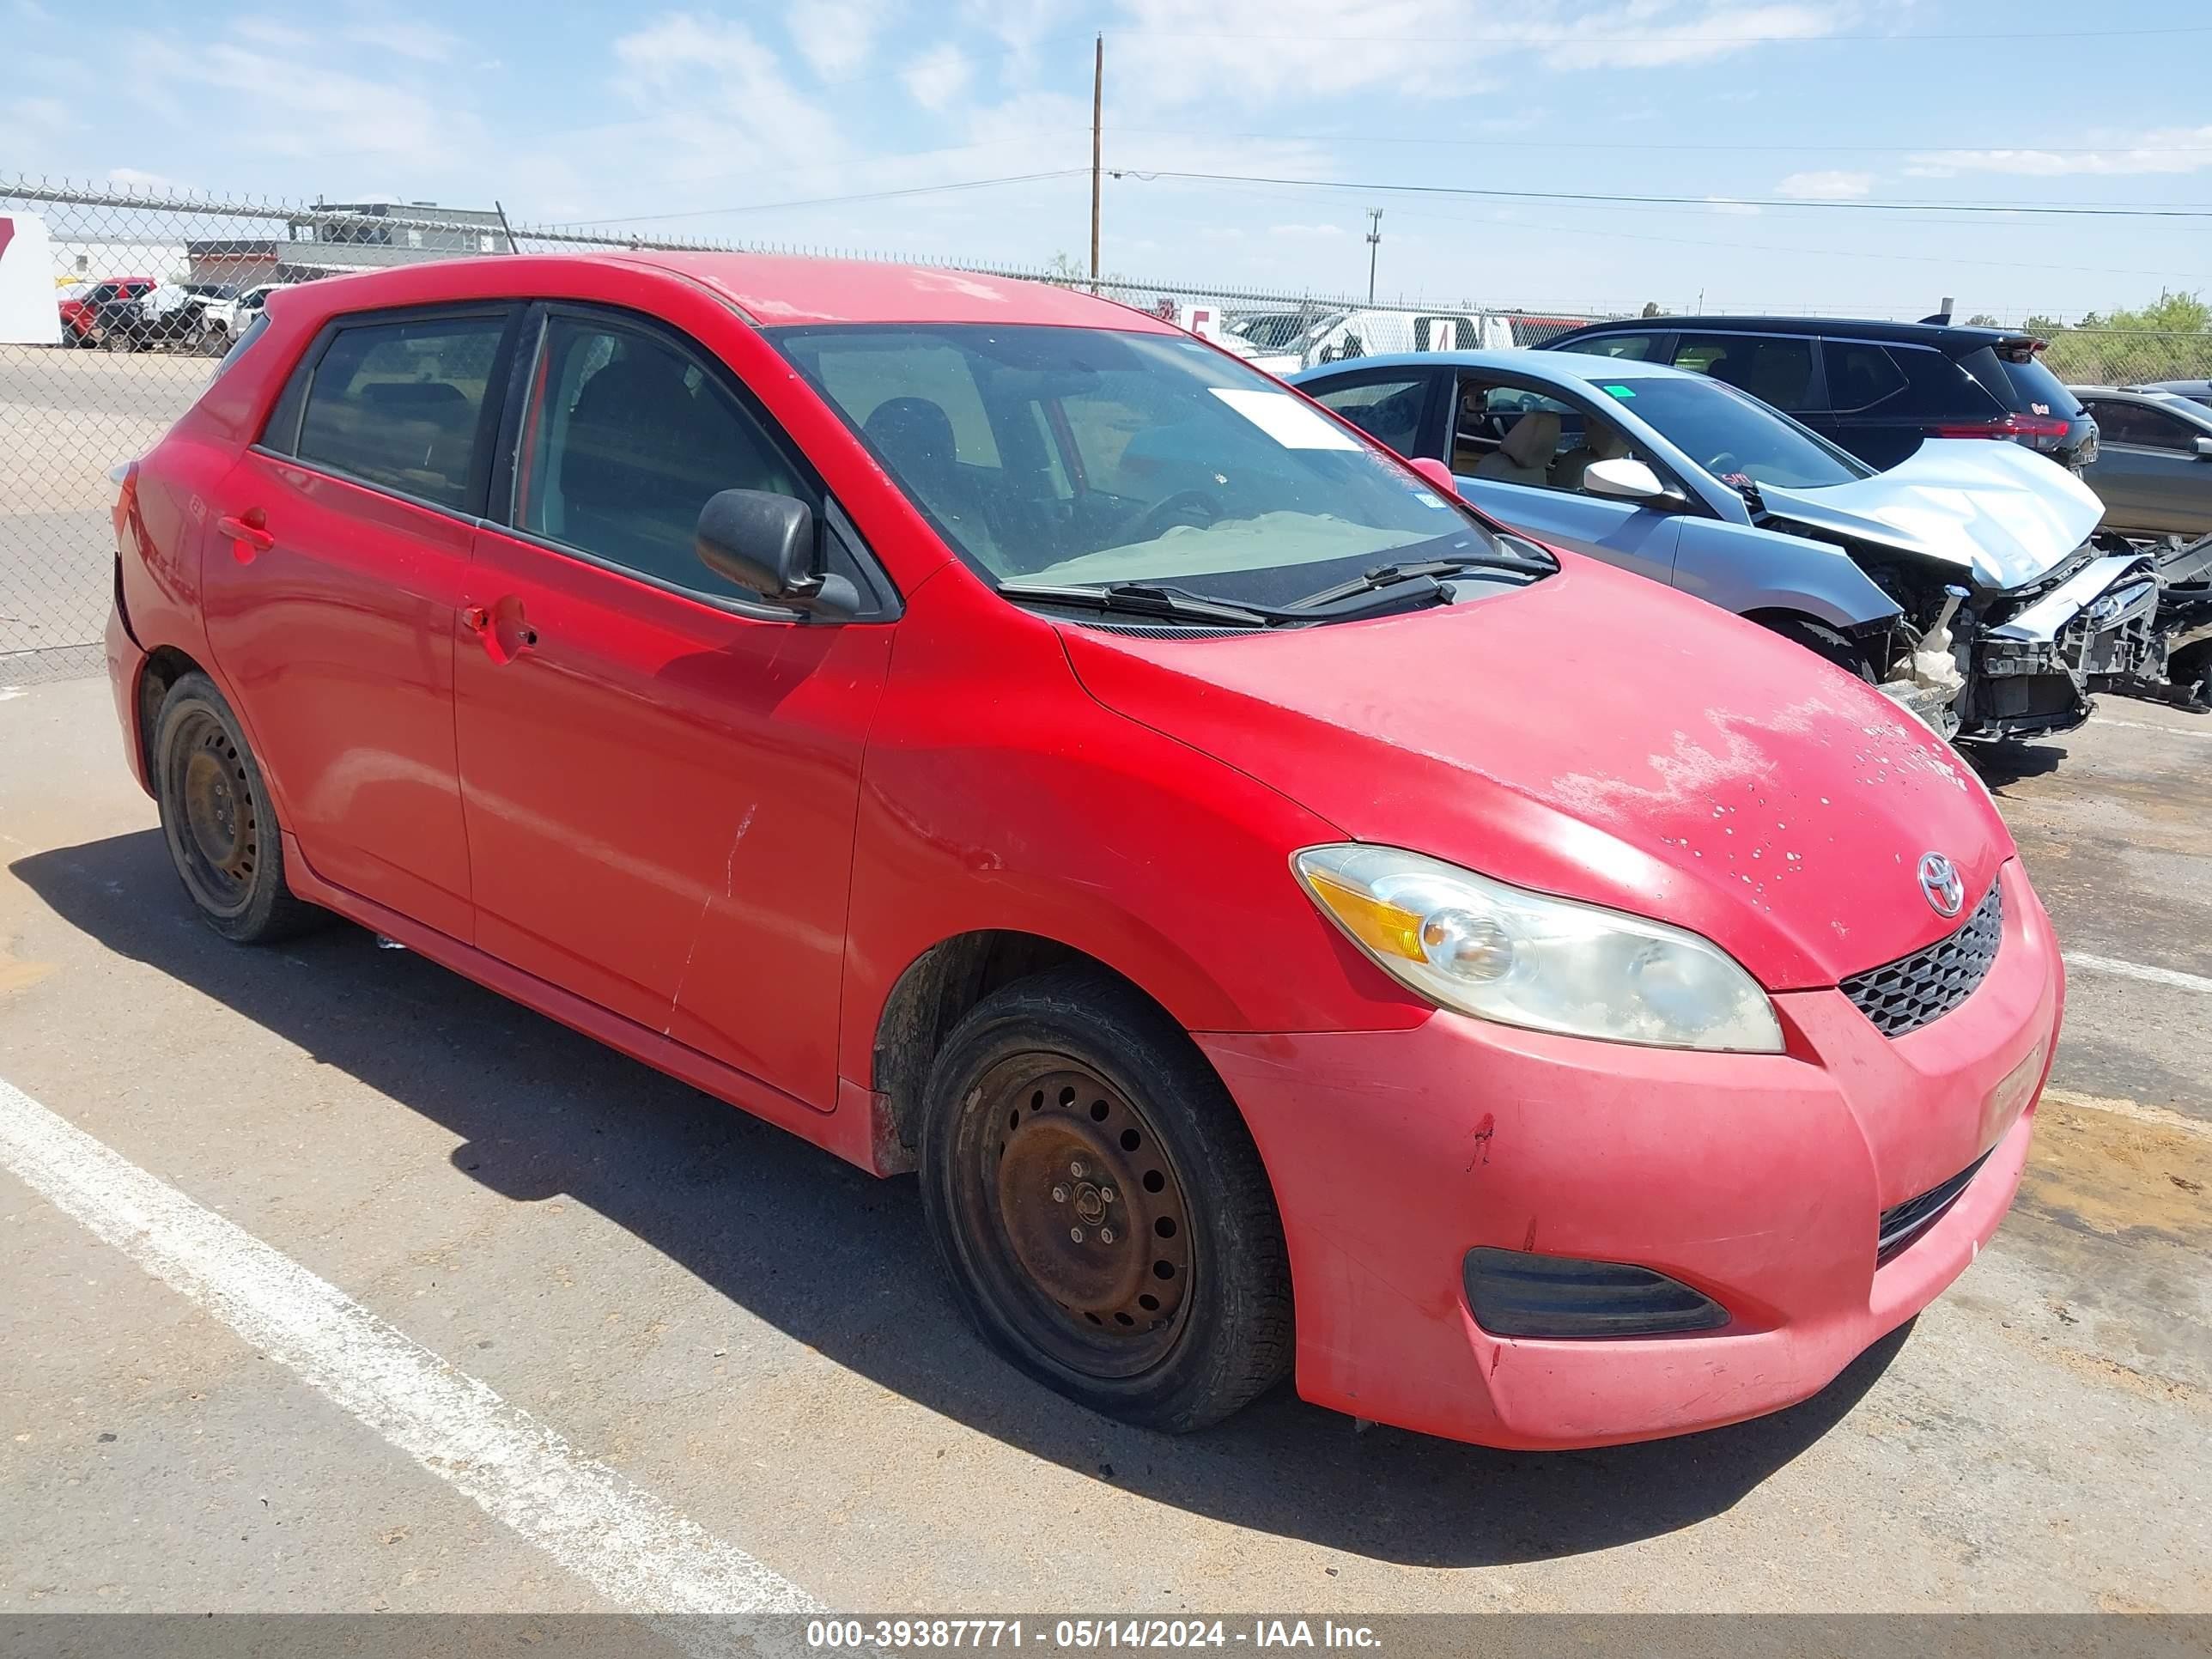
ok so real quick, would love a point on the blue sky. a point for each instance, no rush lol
(648, 117)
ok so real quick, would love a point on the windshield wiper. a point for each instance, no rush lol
(1146, 599)
(1389, 576)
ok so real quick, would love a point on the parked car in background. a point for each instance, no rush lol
(2195, 391)
(989, 731)
(229, 315)
(1330, 337)
(1962, 582)
(1880, 390)
(2153, 465)
(167, 316)
(81, 302)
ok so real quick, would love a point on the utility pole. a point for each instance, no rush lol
(1098, 104)
(1374, 247)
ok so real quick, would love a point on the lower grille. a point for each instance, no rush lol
(1517, 1293)
(1903, 1223)
(1904, 995)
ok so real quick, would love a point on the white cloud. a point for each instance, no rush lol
(1743, 210)
(1254, 51)
(1826, 185)
(937, 78)
(835, 36)
(2169, 150)
(138, 178)
(1308, 233)
(718, 106)
(1647, 33)
(423, 42)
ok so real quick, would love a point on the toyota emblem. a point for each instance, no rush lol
(1940, 880)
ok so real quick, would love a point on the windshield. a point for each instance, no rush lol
(1737, 438)
(1067, 456)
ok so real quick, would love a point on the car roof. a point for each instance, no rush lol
(1959, 335)
(776, 290)
(1567, 365)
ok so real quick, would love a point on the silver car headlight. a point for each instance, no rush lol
(1479, 947)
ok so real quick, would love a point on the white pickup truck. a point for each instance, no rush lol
(227, 319)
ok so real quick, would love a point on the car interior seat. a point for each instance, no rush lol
(1525, 457)
(1602, 441)
(915, 438)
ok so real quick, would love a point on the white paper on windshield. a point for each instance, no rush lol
(1284, 419)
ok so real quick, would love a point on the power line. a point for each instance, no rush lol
(1839, 147)
(832, 201)
(1680, 39)
(2175, 212)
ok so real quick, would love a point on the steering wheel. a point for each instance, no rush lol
(1195, 507)
(1722, 464)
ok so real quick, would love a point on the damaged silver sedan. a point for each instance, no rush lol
(1966, 582)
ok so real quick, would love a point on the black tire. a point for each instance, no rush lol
(217, 820)
(1189, 1318)
(1822, 641)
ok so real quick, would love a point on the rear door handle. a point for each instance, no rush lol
(247, 533)
(501, 627)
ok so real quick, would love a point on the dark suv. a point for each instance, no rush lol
(1878, 389)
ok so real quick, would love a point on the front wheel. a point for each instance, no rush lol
(217, 819)
(1099, 1204)
(1823, 641)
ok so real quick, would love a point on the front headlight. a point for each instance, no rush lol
(1498, 952)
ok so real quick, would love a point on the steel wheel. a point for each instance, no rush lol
(217, 819)
(1082, 1230)
(220, 835)
(1098, 1203)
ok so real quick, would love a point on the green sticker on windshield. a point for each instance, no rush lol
(1618, 391)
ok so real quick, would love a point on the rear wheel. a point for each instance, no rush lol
(1823, 641)
(216, 818)
(1100, 1206)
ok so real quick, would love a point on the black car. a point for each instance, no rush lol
(1878, 389)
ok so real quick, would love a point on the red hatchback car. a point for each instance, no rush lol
(78, 310)
(1288, 920)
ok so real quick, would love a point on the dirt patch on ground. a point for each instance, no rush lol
(2119, 1177)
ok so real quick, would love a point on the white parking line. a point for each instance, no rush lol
(2151, 726)
(627, 1544)
(2172, 976)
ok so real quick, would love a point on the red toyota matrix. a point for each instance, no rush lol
(1291, 924)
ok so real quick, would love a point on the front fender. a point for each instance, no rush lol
(1743, 567)
(998, 795)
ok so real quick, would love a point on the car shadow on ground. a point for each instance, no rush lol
(836, 1258)
(2001, 764)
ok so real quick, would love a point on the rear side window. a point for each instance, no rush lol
(1635, 348)
(1775, 368)
(1388, 411)
(1860, 375)
(2152, 428)
(398, 404)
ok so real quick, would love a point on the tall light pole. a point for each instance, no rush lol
(1374, 247)
(1097, 104)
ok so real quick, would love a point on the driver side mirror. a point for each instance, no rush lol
(1437, 474)
(1624, 478)
(2204, 449)
(765, 542)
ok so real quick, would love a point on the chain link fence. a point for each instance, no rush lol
(115, 305)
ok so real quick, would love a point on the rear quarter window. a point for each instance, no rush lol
(2036, 390)
(1942, 387)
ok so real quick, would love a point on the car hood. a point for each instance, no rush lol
(1998, 509)
(1599, 737)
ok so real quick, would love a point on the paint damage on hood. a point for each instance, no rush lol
(2003, 512)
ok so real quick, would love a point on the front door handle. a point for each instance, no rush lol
(247, 533)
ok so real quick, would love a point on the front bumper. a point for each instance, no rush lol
(2033, 672)
(1759, 1180)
